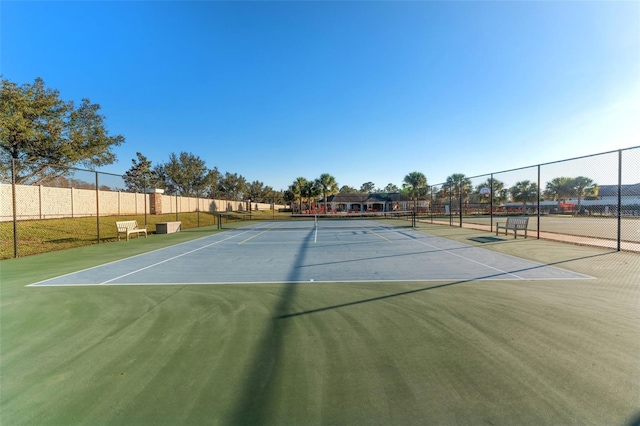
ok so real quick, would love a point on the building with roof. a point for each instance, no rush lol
(372, 202)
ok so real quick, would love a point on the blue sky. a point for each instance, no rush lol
(365, 91)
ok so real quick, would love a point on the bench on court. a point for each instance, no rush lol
(515, 224)
(130, 227)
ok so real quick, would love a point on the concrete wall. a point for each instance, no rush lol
(41, 202)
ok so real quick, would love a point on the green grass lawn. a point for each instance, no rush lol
(485, 352)
(45, 235)
(41, 236)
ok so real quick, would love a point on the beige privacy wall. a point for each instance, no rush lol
(41, 202)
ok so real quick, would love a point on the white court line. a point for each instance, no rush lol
(466, 258)
(171, 258)
(120, 260)
(257, 235)
(38, 284)
(376, 234)
(317, 281)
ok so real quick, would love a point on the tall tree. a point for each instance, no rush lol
(184, 174)
(524, 191)
(211, 187)
(460, 185)
(140, 176)
(367, 187)
(583, 186)
(259, 193)
(47, 135)
(297, 188)
(390, 188)
(560, 189)
(497, 188)
(311, 190)
(415, 183)
(288, 197)
(328, 186)
(346, 189)
(233, 185)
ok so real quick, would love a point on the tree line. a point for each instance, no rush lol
(460, 187)
(45, 136)
(187, 174)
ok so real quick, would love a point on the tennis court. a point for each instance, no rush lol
(339, 250)
(400, 326)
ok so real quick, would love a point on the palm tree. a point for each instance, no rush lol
(497, 189)
(460, 186)
(524, 191)
(560, 189)
(310, 191)
(416, 185)
(296, 189)
(583, 186)
(328, 186)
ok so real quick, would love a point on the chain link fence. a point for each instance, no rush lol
(590, 200)
(81, 207)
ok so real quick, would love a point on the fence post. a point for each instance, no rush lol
(450, 205)
(15, 206)
(619, 198)
(97, 207)
(145, 194)
(431, 203)
(460, 202)
(491, 203)
(539, 200)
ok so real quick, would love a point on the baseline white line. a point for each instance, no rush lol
(315, 282)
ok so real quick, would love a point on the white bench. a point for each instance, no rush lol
(130, 227)
(515, 224)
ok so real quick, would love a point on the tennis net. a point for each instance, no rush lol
(380, 220)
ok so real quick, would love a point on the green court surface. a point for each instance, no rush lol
(501, 352)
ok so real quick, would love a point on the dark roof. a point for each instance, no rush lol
(356, 197)
(612, 190)
(348, 198)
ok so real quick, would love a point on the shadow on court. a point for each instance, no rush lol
(423, 289)
(254, 394)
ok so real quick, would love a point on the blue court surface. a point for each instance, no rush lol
(281, 252)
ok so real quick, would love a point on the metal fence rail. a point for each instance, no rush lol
(590, 200)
